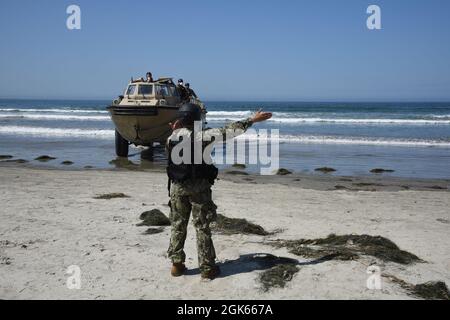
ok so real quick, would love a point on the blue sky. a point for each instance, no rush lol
(315, 50)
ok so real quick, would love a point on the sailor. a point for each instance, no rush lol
(190, 185)
(190, 91)
(184, 93)
(149, 77)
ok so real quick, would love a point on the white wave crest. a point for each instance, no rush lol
(53, 117)
(56, 132)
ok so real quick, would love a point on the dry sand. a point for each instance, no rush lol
(49, 220)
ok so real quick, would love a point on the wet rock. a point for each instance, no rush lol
(239, 166)
(283, 172)
(237, 172)
(88, 167)
(367, 184)
(325, 169)
(380, 170)
(113, 195)
(153, 217)
(154, 230)
(44, 158)
(5, 156)
(437, 188)
(349, 247)
(227, 225)
(339, 187)
(16, 161)
(67, 162)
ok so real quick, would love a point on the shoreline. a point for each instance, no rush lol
(315, 181)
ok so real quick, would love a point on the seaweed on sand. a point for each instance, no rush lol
(227, 225)
(154, 230)
(153, 217)
(432, 290)
(349, 247)
(113, 195)
(278, 276)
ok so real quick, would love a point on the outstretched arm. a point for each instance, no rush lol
(236, 128)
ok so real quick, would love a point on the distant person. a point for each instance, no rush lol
(182, 90)
(149, 77)
(190, 91)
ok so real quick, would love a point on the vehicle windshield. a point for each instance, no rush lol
(131, 89)
(145, 89)
(165, 90)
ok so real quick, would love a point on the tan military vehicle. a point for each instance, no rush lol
(142, 115)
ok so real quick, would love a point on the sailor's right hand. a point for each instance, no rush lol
(260, 116)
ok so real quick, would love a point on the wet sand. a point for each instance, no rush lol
(51, 219)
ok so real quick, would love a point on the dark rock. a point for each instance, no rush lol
(380, 170)
(239, 166)
(67, 163)
(113, 195)
(227, 225)
(88, 167)
(16, 161)
(283, 172)
(153, 217)
(237, 172)
(5, 156)
(44, 158)
(437, 187)
(325, 169)
(339, 187)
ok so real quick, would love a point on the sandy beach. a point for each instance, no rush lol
(50, 220)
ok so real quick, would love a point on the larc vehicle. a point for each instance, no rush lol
(142, 115)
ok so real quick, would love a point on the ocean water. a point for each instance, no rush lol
(411, 138)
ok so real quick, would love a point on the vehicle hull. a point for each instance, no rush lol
(143, 125)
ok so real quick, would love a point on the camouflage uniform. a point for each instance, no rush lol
(195, 196)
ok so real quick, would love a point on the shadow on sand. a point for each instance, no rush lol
(256, 262)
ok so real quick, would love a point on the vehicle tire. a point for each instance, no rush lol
(121, 145)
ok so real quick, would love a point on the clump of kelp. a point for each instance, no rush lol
(278, 276)
(348, 247)
(153, 217)
(228, 226)
(432, 290)
(108, 196)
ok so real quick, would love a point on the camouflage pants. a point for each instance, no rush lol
(196, 197)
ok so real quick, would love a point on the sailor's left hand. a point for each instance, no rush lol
(176, 125)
